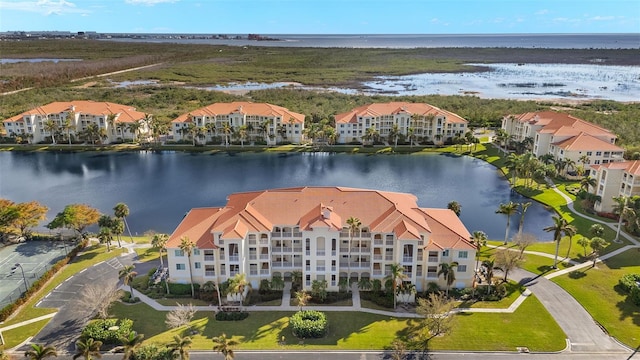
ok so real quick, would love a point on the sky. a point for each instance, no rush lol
(322, 16)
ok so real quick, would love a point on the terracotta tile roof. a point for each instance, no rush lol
(630, 167)
(551, 121)
(586, 142)
(244, 107)
(392, 108)
(125, 113)
(308, 207)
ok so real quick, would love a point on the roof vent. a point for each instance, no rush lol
(326, 213)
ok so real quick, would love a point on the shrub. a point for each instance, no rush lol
(182, 289)
(630, 284)
(109, 331)
(309, 324)
(231, 316)
(380, 298)
(153, 352)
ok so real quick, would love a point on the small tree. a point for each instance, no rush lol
(88, 349)
(523, 241)
(98, 297)
(455, 207)
(181, 346)
(302, 298)
(437, 319)
(180, 316)
(584, 242)
(40, 352)
(597, 244)
(127, 274)
(130, 344)
(225, 345)
(507, 261)
(277, 283)
(319, 289)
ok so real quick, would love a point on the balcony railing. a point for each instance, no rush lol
(209, 258)
(345, 234)
(209, 273)
(320, 253)
(234, 258)
(333, 268)
(264, 241)
(407, 259)
(432, 274)
(432, 259)
(264, 271)
(253, 257)
(377, 242)
(320, 268)
(233, 273)
(253, 272)
(388, 257)
(377, 257)
(264, 256)
(354, 264)
(377, 272)
(389, 242)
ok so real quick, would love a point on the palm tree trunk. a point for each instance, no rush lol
(506, 231)
(569, 250)
(128, 230)
(193, 291)
(161, 261)
(555, 259)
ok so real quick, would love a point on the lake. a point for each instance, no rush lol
(160, 187)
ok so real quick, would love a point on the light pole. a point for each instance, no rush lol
(24, 278)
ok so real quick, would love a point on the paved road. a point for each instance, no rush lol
(583, 332)
(376, 355)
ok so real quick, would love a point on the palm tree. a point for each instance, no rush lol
(159, 242)
(130, 344)
(242, 134)
(523, 210)
(88, 349)
(227, 130)
(302, 298)
(354, 226)
(51, 127)
(396, 275)
(127, 274)
(584, 242)
(393, 135)
(225, 346)
(587, 182)
(620, 208)
(584, 159)
(596, 230)
(455, 207)
(507, 209)
(447, 270)
(489, 265)
(40, 352)
(117, 228)
(67, 126)
(133, 128)
(105, 236)
(558, 228)
(181, 345)
(121, 127)
(121, 211)
(597, 244)
(238, 284)
(571, 231)
(478, 239)
(187, 247)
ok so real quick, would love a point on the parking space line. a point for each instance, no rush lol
(38, 303)
(81, 271)
(56, 288)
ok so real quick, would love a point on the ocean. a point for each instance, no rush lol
(545, 41)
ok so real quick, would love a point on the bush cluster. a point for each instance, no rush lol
(380, 298)
(332, 297)
(153, 352)
(309, 324)
(109, 331)
(39, 284)
(231, 316)
(182, 289)
(126, 297)
(630, 284)
(262, 296)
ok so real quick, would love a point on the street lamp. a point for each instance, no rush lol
(24, 278)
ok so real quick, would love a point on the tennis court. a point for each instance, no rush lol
(34, 257)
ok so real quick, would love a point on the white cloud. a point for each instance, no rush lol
(602, 18)
(542, 12)
(149, 2)
(45, 7)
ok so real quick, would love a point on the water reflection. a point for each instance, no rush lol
(160, 187)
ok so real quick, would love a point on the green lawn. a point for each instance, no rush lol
(16, 336)
(596, 290)
(529, 326)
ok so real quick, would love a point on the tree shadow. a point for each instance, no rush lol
(577, 274)
(629, 310)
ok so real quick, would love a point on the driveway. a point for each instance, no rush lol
(584, 334)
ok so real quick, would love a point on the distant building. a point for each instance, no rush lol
(564, 136)
(276, 232)
(261, 122)
(423, 121)
(613, 180)
(115, 122)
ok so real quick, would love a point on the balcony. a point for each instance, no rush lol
(233, 273)
(333, 268)
(355, 264)
(377, 242)
(389, 242)
(209, 273)
(264, 241)
(253, 272)
(209, 258)
(234, 258)
(407, 259)
(432, 259)
(377, 257)
(377, 272)
(264, 256)
(320, 268)
(253, 257)
(264, 271)
(388, 257)
(283, 249)
(320, 253)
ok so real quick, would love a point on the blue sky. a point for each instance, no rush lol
(323, 16)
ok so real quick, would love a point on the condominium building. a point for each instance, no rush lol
(613, 180)
(421, 121)
(260, 122)
(276, 232)
(113, 122)
(564, 136)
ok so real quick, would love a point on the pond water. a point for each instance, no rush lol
(160, 188)
(34, 60)
(501, 81)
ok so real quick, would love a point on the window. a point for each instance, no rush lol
(589, 153)
(461, 268)
(196, 251)
(445, 253)
(178, 252)
(180, 267)
(197, 265)
(463, 254)
(598, 153)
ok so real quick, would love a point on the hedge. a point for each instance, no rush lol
(40, 283)
(379, 298)
(231, 316)
(183, 289)
(109, 331)
(309, 324)
(630, 285)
